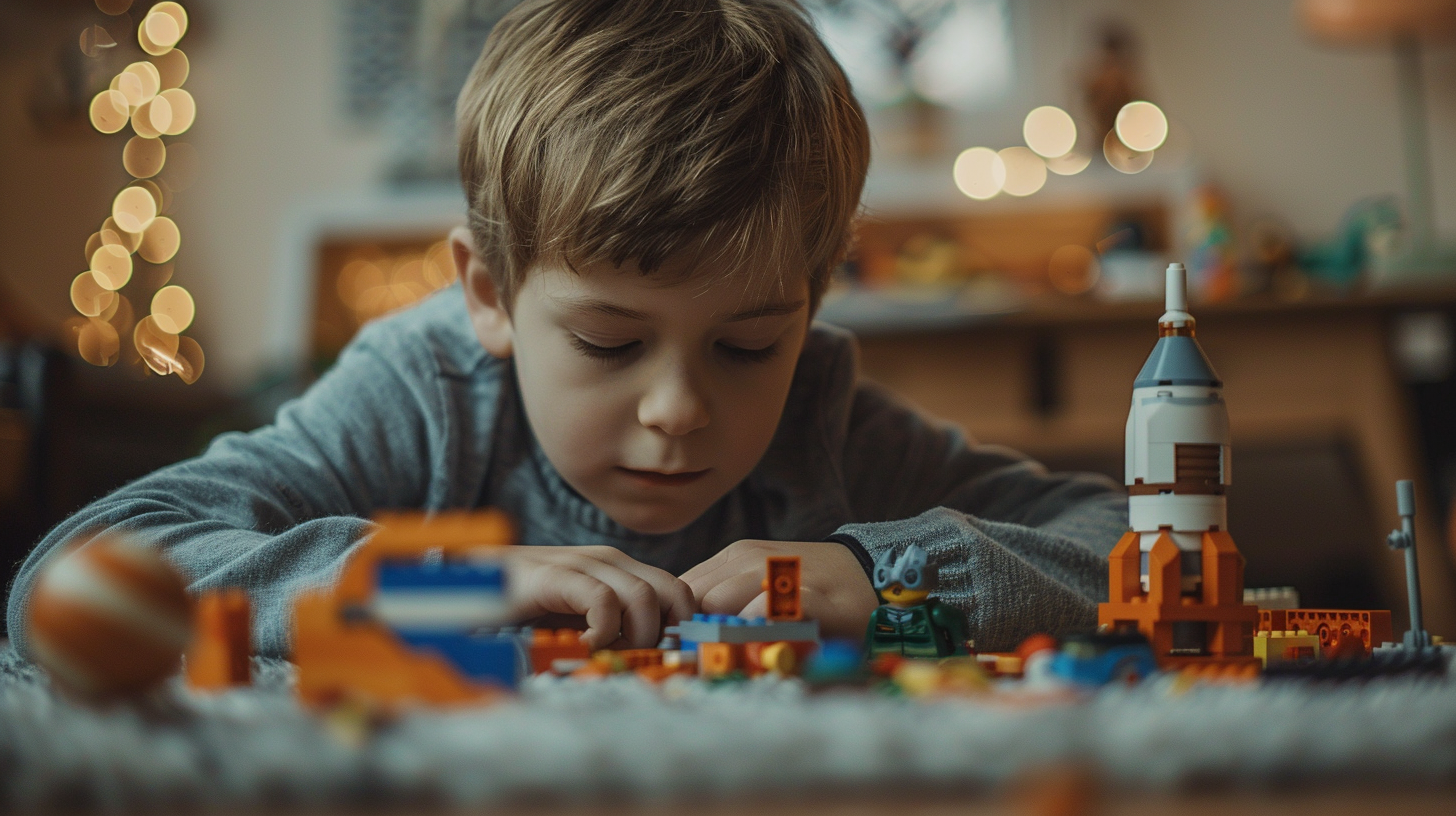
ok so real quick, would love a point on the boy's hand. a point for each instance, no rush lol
(833, 587)
(624, 601)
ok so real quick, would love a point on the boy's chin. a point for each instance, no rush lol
(654, 525)
(653, 520)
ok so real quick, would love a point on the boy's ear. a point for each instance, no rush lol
(489, 315)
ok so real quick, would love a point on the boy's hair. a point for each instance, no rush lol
(635, 130)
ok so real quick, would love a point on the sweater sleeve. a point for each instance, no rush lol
(278, 509)
(1018, 549)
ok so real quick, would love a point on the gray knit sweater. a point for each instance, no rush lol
(415, 414)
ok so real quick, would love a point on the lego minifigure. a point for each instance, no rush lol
(910, 622)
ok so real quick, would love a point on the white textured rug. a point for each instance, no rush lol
(255, 747)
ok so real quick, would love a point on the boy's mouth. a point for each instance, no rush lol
(653, 477)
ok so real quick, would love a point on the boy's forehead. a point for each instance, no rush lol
(625, 291)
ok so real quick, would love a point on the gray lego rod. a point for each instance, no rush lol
(1405, 539)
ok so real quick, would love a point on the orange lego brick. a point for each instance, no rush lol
(1154, 612)
(1371, 627)
(635, 659)
(220, 654)
(781, 582)
(720, 659)
(549, 645)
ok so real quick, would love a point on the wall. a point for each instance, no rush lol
(1288, 127)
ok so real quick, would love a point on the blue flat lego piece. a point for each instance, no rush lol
(488, 658)
(444, 576)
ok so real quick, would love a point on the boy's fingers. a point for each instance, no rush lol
(703, 568)
(729, 597)
(640, 616)
(756, 608)
(725, 565)
(674, 599)
(571, 592)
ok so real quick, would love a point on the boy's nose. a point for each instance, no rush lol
(673, 405)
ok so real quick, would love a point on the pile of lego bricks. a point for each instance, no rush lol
(257, 746)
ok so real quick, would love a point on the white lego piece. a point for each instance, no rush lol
(1175, 296)
(1183, 512)
(453, 610)
(1163, 417)
(1286, 597)
(1186, 542)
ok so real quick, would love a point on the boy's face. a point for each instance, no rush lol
(652, 397)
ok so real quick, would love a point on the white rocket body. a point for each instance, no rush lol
(1177, 438)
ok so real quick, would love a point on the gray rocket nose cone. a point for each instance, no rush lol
(1177, 360)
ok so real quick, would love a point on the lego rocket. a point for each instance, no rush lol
(1176, 575)
(1177, 441)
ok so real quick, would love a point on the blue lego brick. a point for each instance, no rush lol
(835, 661)
(442, 575)
(440, 597)
(1102, 658)
(733, 629)
(485, 658)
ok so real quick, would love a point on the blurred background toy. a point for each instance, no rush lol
(220, 656)
(1212, 263)
(109, 619)
(410, 616)
(1099, 658)
(1367, 233)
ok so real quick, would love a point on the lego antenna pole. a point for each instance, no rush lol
(1405, 539)
(1175, 298)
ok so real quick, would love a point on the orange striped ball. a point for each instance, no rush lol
(109, 619)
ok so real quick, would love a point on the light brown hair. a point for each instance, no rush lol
(636, 130)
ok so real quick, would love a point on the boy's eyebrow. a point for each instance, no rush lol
(767, 310)
(594, 306)
(585, 306)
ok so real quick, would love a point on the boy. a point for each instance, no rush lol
(658, 192)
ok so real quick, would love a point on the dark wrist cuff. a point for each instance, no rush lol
(860, 553)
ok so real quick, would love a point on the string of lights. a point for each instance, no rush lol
(148, 96)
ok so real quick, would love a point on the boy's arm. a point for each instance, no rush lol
(277, 509)
(1019, 550)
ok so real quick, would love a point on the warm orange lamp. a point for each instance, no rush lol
(1402, 25)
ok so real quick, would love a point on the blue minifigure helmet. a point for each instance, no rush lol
(911, 570)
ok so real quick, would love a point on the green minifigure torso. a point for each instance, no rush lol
(929, 629)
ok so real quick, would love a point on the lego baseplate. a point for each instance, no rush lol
(257, 748)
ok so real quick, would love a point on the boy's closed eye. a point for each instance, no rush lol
(748, 355)
(745, 351)
(607, 351)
